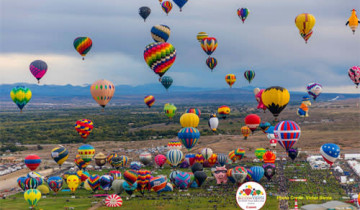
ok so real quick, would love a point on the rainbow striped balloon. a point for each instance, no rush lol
(160, 56)
(230, 79)
(199, 158)
(249, 75)
(239, 153)
(86, 152)
(94, 182)
(84, 127)
(166, 6)
(189, 136)
(201, 35)
(21, 95)
(211, 63)
(149, 100)
(209, 45)
(243, 13)
(194, 110)
(83, 45)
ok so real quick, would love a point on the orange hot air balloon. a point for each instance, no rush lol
(269, 157)
(245, 131)
(230, 79)
(102, 91)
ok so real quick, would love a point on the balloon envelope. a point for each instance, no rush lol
(20, 95)
(102, 91)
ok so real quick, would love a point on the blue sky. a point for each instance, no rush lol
(268, 42)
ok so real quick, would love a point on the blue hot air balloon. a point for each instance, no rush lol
(189, 137)
(257, 173)
(330, 152)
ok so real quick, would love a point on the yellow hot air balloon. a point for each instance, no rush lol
(353, 21)
(189, 120)
(32, 196)
(102, 91)
(170, 110)
(305, 22)
(73, 182)
(275, 99)
(230, 79)
(201, 35)
(245, 131)
(43, 189)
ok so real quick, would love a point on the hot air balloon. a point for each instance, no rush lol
(113, 201)
(86, 152)
(249, 75)
(73, 182)
(330, 152)
(20, 95)
(32, 162)
(258, 93)
(84, 127)
(199, 158)
(106, 181)
(354, 74)
(239, 174)
(102, 91)
(212, 160)
(209, 45)
(174, 157)
(193, 110)
(31, 183)
(160, 33)
(55, 183)
(189, 120)
(353, 21)
(83, 45)
(100, 159)
(166, 7)
(224, 111)
(158, 183)
(21, 182)
(222, 158)
(275, 99)
(189, 136)
(129, 189)
(117, 186)
(207, 153)
(243, 13)
(109, 157)
(292, 153)
(180, 3)
(287, 133)
(143, 180)
(160, 160)
(38, 69)
(269, 157)
(144, 12)
(182, 180)
(174, 144)
(211, 63)
(169, 110)
(270, 133)
(80, 163)
(252, 121)
(245, 131)
(305, 22)
(259, 153)
(60, 155)
(213, 122)
(32, 196)
(264, 126)
(135, 165)
(94, 182)
(269, 169)
(200, 177)
(190, 158)
(232, 156)
(160, 56)
(166, 81)
(314, 90)
(149, 100)
(230, 79)
(201, 35)
(145, 158)
(239, 153)
(273, 143)
(257, 173)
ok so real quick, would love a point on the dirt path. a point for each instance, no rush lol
(9, 181)
(98, 205)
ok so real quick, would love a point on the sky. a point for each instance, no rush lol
(268, 42)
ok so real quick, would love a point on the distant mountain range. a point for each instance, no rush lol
(126, 94)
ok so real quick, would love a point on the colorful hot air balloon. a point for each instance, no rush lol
(160, 33)
(106, 181)
(83, 45)
(230, 79)
(209, 45)
(135, 165)
(275, 99)
(264, 126)
(252, 121)
(84, 127)
(207, 153)
(287, 133)
(158, 183)
(113, 201)
(166, 81)
(166, 7)
(257, 173)
(160, 160)
(269, 157)
(174, 157)
(259, 153)
(32, 196)
(145, 158)
(189, 120)
(130, 176)
(100, 159)
(38, 69)
(258, 93)
(305, 22)
(239, 174)
(245, 131)
(20, 95)
(239, 153)
(102, 91)
(293, 153)
(160, 56)
(73, 182)
(353, 21)
(211, 63)
(269, 169)
(201, 35)
(32, 162)
(273, 142)
(143, 179)
(189, 136)
(193, 110)
(94, 182)
(55, 183)
(232, 156)
(149, 100)
(243, 13)
(180, 3)
(174, 144)
(60, 155)
(249, 75)
(21, 182)
(169, 110)
(314, 90)
(330, 152)
(224, 111)
(80, 163)
(86, 152)
(190, 158)
(199, 158)
(213, 122)
(144, 12)
(31, 183)
(222, 158)
(182, 180)
(354, 74)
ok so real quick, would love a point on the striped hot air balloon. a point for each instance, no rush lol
(113, 200)
(314, 90)
(224, 111)
(305, 22)
(84, 127)
(60, 155)
(207, 153)
(201, 35)
(211, 63)
(160, 33)
(94, 182)
(193, 110)
(257, 173)
(189, 136)
(230, 79)
(166, 7)
(249, 75)
(160, 56)
(243, 13)
(287, 133)
(20, 95)
(174, 157)
(174, 144)
(149, 100)
(82, 45)
(222, 158)
(209, 45)
(239, 153)
(32, 162)
(86, 152)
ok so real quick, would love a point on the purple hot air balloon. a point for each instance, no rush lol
(38, 68)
